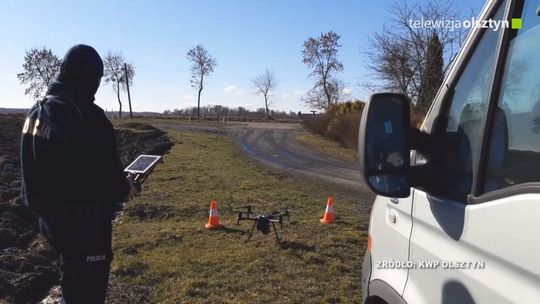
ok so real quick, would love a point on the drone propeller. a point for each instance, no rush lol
(241, 213)
(277, 217)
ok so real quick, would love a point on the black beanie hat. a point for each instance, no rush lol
(81, 62)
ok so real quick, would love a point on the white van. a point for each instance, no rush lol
(457, 219)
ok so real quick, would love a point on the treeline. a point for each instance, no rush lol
(339, 122)
(219, 112)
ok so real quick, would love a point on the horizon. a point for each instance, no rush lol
(245, 38)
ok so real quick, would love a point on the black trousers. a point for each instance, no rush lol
(82, 237)
(84, 281)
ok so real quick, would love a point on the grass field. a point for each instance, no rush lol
(161, 241)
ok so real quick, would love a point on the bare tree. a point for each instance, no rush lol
(406, 54)
(202, 65)
(337, 91)
(433, 75)
(40, 67)
(264, 84)
(317, 97)
(116, 73)
(218, 111)
(320, 55)
(241, 111)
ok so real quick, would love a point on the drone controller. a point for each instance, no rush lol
(142, 167)
(135, 181)
(137, 186)
(138, 171)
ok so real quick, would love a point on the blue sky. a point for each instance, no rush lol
(244, 36)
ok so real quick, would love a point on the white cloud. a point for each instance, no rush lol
(299, 92)
(347, 91)
(233, 90)
(230, 89)
(285, 96)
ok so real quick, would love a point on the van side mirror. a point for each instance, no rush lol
(383, 145)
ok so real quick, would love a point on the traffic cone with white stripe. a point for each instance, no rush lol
(328, 217)
(213, 219)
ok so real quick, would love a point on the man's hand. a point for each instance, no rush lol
(132, 190)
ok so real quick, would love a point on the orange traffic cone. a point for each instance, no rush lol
(328, 217)
(213, 219)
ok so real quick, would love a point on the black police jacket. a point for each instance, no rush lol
(69, 158)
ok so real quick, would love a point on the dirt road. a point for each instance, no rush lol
(275, 145)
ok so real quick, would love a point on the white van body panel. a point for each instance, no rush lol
(497, 243)
(390, 228)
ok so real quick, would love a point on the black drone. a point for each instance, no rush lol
(262, 221)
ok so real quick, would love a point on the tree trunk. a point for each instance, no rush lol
(199, 98)
(199, 104)
(127, 86)
(328, 97)
(266, 106)
(119, 102)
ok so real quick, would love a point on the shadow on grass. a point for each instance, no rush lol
(340, 221)
(163, 239)
(169, 239)
(296, 246)
(145, 211)
(238, 231)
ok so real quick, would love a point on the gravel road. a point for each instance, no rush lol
(275, 145)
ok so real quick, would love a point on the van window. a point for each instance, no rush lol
(461, 140)
(514, 152)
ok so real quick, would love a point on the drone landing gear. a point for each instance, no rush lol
(262, 221)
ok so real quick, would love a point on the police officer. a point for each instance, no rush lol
(72, 175)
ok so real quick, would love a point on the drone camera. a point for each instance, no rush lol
(263, 225)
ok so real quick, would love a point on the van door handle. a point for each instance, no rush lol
(392, 216)
(394, 200)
